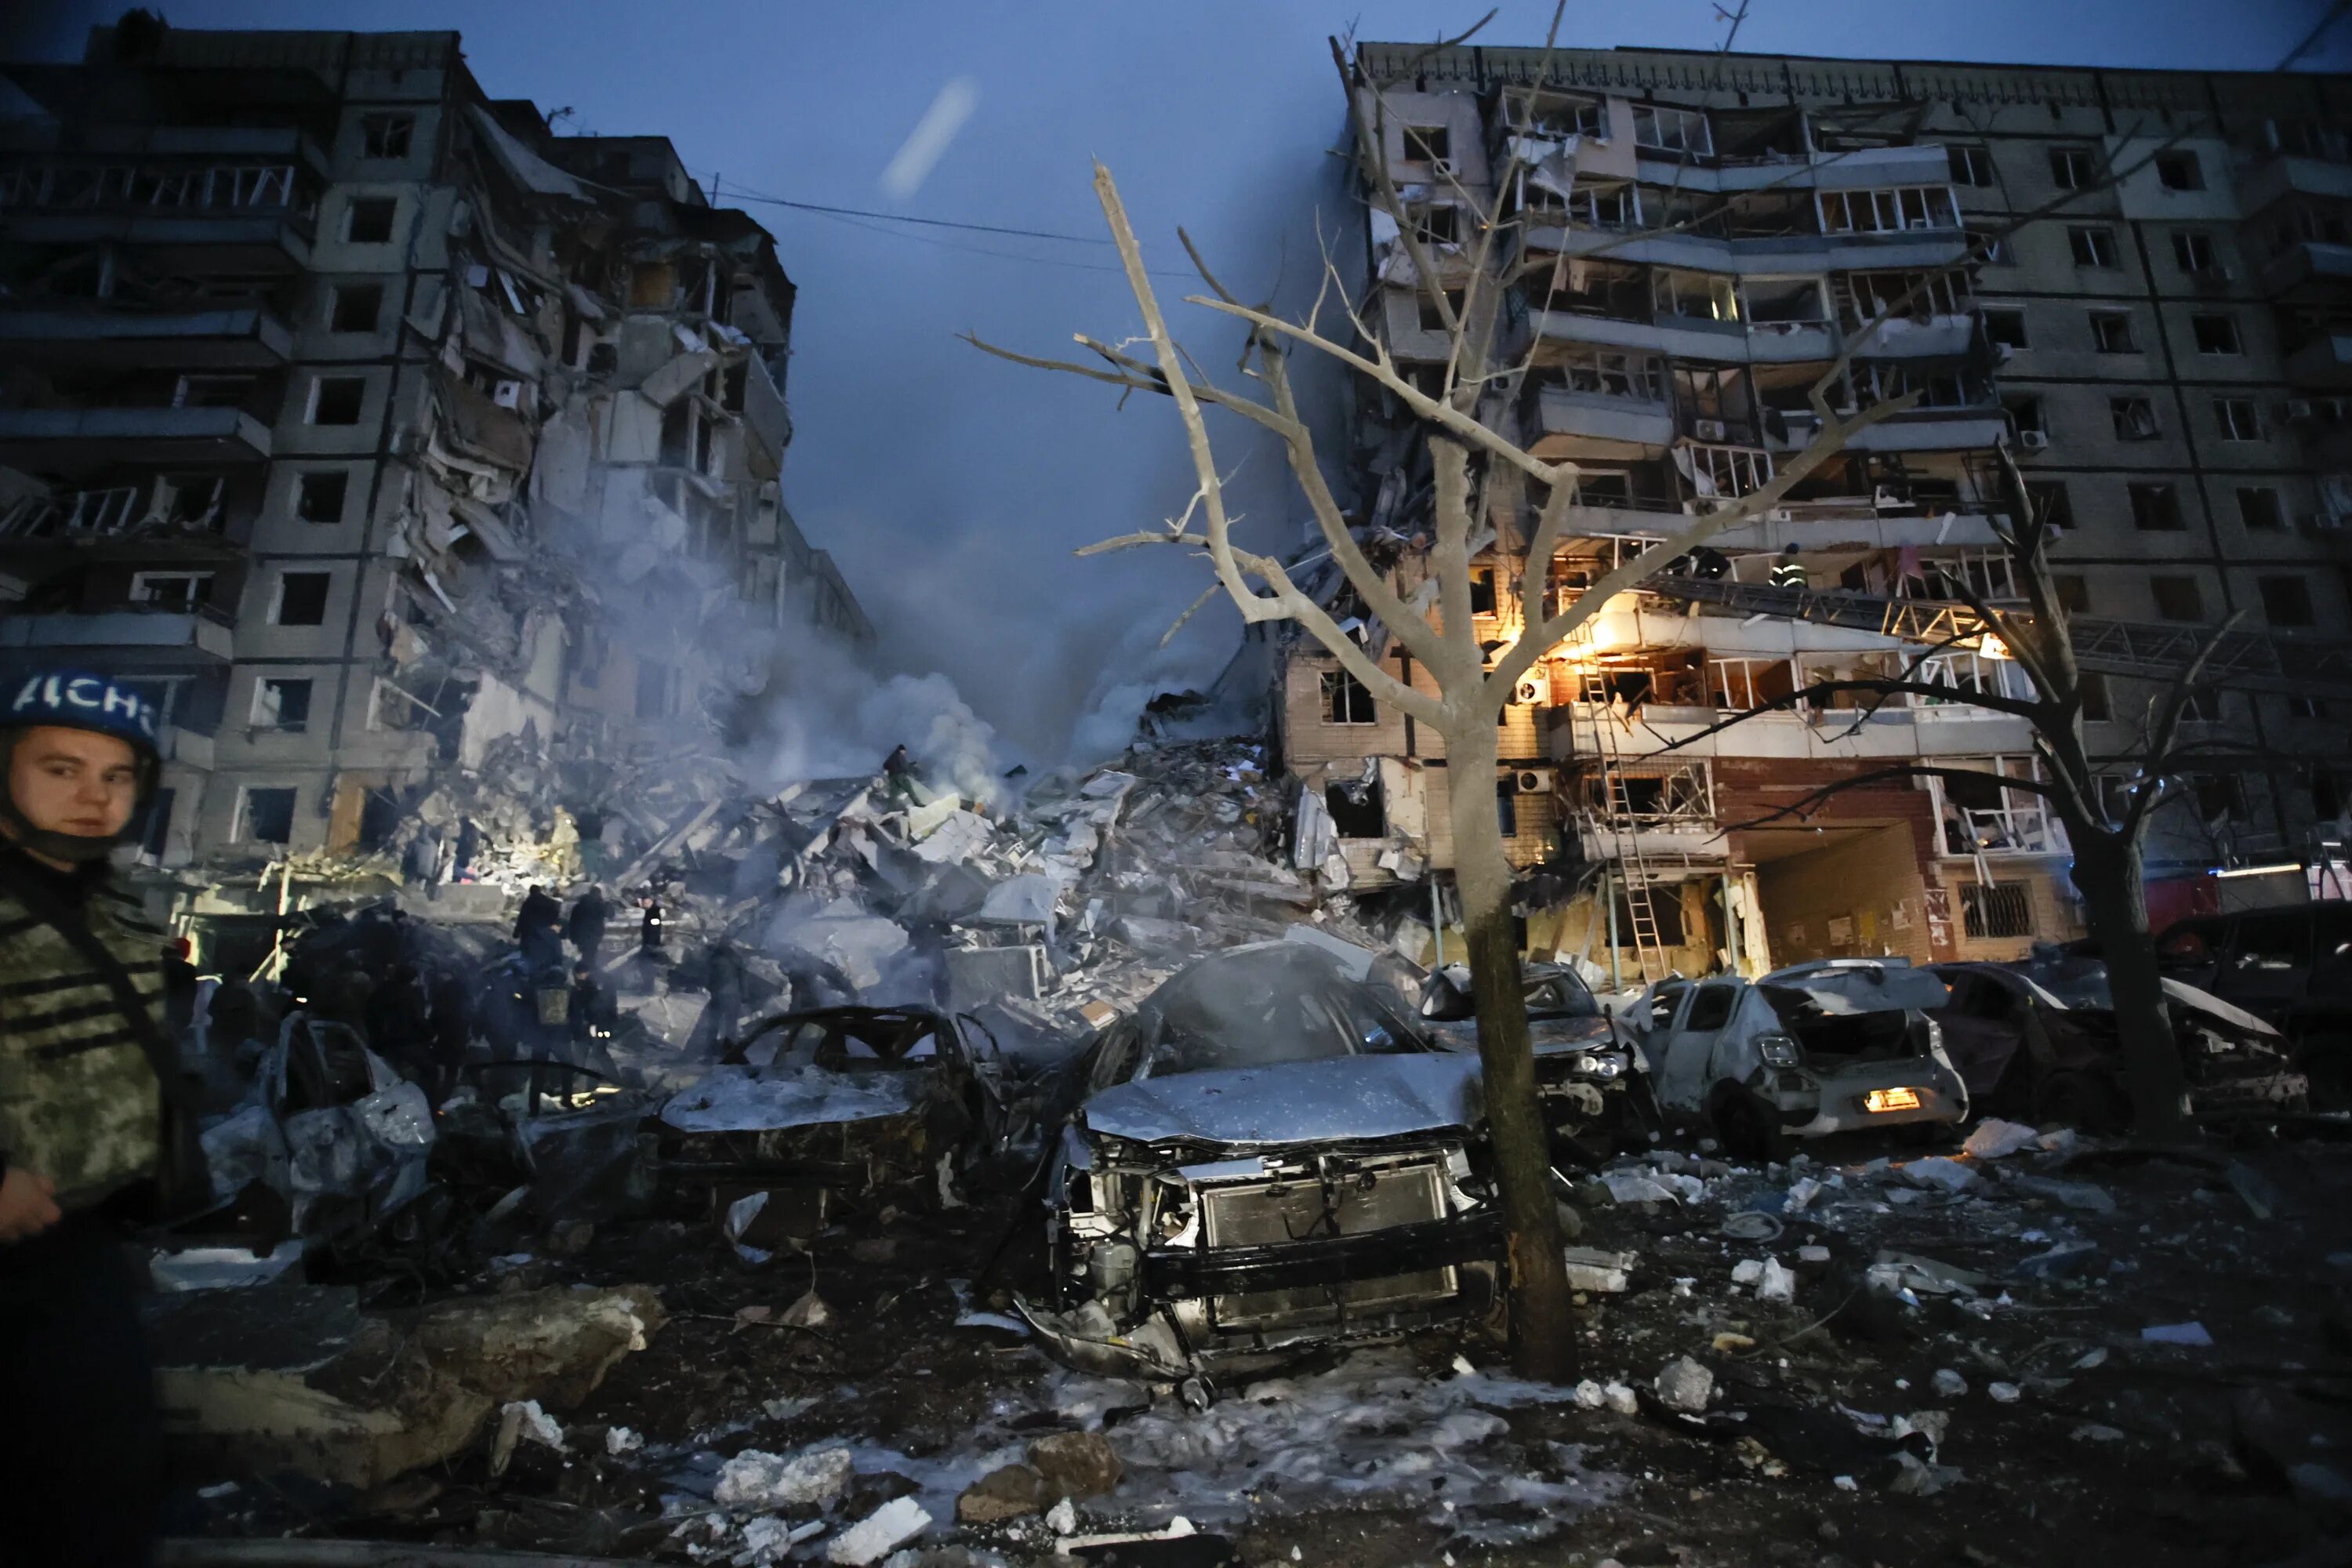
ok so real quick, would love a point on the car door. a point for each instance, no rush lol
(2270, 962)
(1684, 1056)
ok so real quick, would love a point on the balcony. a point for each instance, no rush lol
(1862, 168)
(1906, 249)
(1692, 337)
(249, 338)
(2265, 183)
(130, 635)
(765, 414)
(1590, 426)
(2311, 271)
(1923, 337)
(69, 440)
(2325, 361)
(1934, 430)
(1843, 734)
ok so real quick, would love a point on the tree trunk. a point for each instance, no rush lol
(2107, 871)
(1543, 1343)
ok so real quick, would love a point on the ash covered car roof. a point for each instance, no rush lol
(1844, 986)
(1263, 1005)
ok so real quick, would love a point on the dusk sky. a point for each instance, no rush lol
(953, 488)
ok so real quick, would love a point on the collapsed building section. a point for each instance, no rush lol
(1682, 252)
(398, 447)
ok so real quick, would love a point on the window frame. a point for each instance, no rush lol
(285, 579)
(2239, 419)
(2094, 238)
(2161, 493)
(1338, 689)
(2198, 325)
(2107, 322)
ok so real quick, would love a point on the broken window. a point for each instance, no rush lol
(1683, 132)
(1428, 144)
(1981, 815)
(2176, 598)
(354, 307)
(1482, 592)
(2092, 686)
(2052, 502)
(180, 591)
(2025, 415)
(281, 704)
(1556, 115)
(1635, 794)
(2073, 591)
(1347, 700)
(1985, 574)
(1605, 206)
(2193, 252)
(2178, 170)
(1698, 296)
(2073, 168)
(336, 400)
(2092, 246)
(386, 135)
(1594, 288)
(2155, 507)
(266, 815)
(1436, 225)
(2286, 601)
(2236, 419)
(1890, 211)
(368, 220)
(319, 494)
(1996, 910)
(212, 391)
(1783, 300)
(1507, 808)
(1356, 809)
(1432, 319)
(1740, 684)
(2111, 332)
(2006, 329)
(2259, 507)
(1608, 372)
(2216, 335)
(301, 599)
(1663, 905)
(1971, 164)
(2134, 417)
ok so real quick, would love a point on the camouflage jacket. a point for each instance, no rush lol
(78, 1102)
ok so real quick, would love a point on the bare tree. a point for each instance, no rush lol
(1472, 462)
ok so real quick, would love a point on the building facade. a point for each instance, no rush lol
(2135, 282)
(369, 424)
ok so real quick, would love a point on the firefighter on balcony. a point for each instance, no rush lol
(1788, 571)
(97, 1128)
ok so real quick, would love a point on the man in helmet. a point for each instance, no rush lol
(82, 1129)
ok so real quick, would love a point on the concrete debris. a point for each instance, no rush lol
(1993, 1139)
(1075, 1463)
(753, 1481)
(1684, 1384)
(880, 1533)
(2191, 1335)
(1008, 1491)
(1607, 1273)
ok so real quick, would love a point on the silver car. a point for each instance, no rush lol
(1832, 1045)
(1266, 1157)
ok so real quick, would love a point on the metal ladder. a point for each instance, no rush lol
(2144, 650)
(1625, 850)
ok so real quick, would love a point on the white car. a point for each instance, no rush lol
(1827, 1047)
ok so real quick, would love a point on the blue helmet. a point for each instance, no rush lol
(77, 699)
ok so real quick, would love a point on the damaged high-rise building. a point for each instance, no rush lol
(370, 426)
(2135, 282)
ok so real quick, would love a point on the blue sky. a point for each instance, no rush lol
(953, 488)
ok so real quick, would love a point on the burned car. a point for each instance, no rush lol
(837, 1103)
(1266, 1157)
(1830, 1046)
(1591, 1076)
(2037, 1041)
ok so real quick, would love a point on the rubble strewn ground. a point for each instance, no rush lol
(2017, 1350)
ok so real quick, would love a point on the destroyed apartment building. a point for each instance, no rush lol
(1685, 252)
(377, 434)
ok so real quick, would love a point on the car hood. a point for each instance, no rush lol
(1550, 1036)
(1324, 1101)
(1864, 988)
(2227, 1013)
(763, 1099)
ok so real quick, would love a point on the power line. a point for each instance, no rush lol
(740, 195)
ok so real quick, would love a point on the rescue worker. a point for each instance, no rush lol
(539, 930)
(1788, 571)
(587, 928)
(96, 1126)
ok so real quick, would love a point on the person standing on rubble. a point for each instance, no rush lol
(588, 917)
(538, 929)
(96, 1126)
(649, 933)
(452, 1032)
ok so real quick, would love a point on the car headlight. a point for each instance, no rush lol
(1598, 1064)
(1777, 1050)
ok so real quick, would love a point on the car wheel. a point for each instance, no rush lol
(1747, 1132)
(2088, 1102)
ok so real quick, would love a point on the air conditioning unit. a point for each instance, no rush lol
(2298, 408)
(2003, 352)
(2033, 440)
(1531, 690)
(1711, 429)
(1533, 781)
(1443, 167)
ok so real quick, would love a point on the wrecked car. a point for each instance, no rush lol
(835, 1103)
(2289, 963)
(1266, 1157)
(1830, 1046)
(1591, 1076)
(2037, 1040)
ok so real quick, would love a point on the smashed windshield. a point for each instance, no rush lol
(1561, 994)
(1258, 1007)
